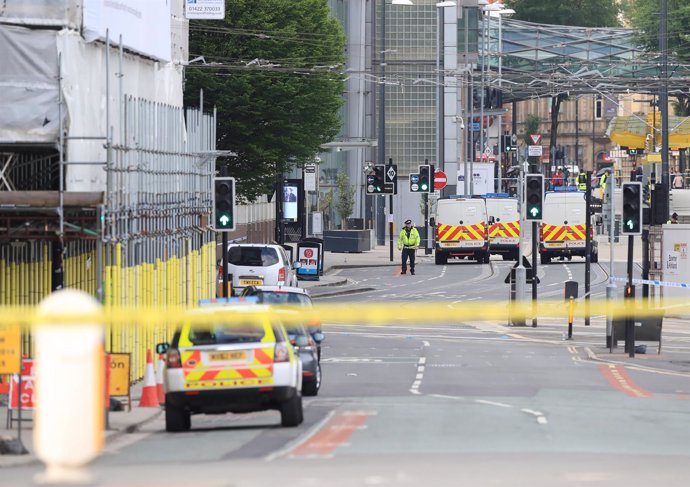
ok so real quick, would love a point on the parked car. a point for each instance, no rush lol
(307, 352)
(257, 264)
(289, 295)
(234, 360)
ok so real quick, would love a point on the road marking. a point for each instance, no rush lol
(414, 389)
(427, 344)
(540, 416)
(619, 379)
(332, 435)
(295, 443)
(492, 403)
(570, 273)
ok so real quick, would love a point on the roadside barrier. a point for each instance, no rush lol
(149, 394)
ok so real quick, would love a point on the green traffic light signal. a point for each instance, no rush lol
(534, 196)
(224, 204)
(632, 208)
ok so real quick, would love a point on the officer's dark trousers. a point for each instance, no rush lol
(405, 254)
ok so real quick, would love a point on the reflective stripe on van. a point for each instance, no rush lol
(510, 229)
(461, 232)
(562, 232)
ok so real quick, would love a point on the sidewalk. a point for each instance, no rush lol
(120, 422)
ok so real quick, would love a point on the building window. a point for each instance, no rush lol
(471, 19)
(599, 107)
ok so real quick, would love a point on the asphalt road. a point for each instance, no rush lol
(463, 404)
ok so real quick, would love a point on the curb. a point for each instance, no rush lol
(344, 292)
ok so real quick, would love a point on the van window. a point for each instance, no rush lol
(253, 256)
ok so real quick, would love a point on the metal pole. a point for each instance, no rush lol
(390, 223)
(663, 96)
(611, 286)
(577, 131)
(468, 105)
(645, 264)
(500, 89)
(382, 117)
(427, 250)
(482, 94)
(629, 296)
(535, 239)
(520, 271)
(588, 243)
(471, 132)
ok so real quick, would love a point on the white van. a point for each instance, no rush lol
(461, 229)
(563, 227)
(257, 265)
(504, 226)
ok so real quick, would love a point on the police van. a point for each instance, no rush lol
(461, 229)
(504, 225)
(563, 226)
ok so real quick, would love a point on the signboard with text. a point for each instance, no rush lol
(10, 349)
(204, 9)
(26, 394)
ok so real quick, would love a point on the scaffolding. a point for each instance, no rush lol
(143, 240)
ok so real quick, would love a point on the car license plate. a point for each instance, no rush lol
(251, 282)
(224, 356)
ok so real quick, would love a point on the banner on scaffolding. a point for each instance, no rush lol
(144, 26)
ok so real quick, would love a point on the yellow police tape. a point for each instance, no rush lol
(418, 313)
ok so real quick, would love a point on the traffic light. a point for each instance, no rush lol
(425, 180)
(534, 196)
(507, 143)
(632, 209)
(376, 180)
(224, 204)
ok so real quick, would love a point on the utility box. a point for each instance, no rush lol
(675, 265)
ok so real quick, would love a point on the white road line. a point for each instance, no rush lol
(443, 396)
(426, 344)
(540, 416)
(570, 273)
(492, 403)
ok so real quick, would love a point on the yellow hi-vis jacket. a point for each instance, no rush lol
(582, 181)
(411, 242)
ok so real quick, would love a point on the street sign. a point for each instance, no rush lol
(513, 139)
(534, 150)
(119, 374)
(26, 395)
(310, 177)
(391, 186)
(535, 138)
(475, 127)
(440, 179)
(10, 345)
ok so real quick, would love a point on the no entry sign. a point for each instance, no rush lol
(440, 179)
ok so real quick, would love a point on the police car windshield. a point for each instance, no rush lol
(224, 333)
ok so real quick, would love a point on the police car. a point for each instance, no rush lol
(230, 359)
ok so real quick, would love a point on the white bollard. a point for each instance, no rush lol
(70, 404)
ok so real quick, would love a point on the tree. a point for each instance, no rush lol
(346, 197)
(582, 13)
(273, 71)
(644, 17)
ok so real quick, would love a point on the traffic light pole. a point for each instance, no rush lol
(390, 222)
(630, 296)
(224, 249)
(588, 244)
(611, 286)
(535, 238)
(427, 250)
(520, 271)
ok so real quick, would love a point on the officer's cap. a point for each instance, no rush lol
(408, 222)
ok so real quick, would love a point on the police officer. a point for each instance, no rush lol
(602, 183)
(408, 241)
(582, 181)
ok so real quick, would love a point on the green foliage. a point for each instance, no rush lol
(644, 17)
(275, 112)
(346, 197)
(582, 13)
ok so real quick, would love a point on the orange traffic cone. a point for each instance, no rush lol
(159, 379)
(149, 396)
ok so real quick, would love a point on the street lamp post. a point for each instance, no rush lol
(382, 112)
(440, 81)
